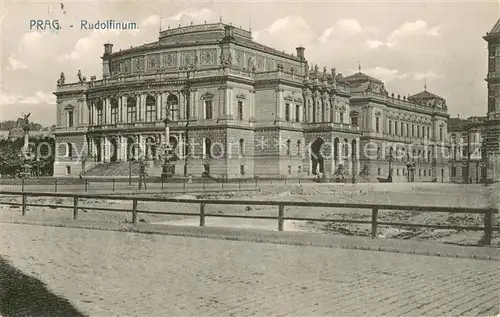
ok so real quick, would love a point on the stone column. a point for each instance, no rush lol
(159, 102)
(138, 104)
(103, 149)
(358, 164)
(228, 101)
(182, 106)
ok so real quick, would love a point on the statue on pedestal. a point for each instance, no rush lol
(61, 80)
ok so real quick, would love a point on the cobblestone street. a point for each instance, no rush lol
(128, 274)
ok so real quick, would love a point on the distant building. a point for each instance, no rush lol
(468, 163)
(242, 109)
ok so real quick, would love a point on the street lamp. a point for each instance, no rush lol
(190, 70)
(168, 167)
(389, 178)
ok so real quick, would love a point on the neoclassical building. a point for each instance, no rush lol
(237, 108)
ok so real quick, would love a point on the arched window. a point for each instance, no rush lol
(242, 151)
(114, 111)
(299, 145)
(208, 148)
(69, 115)
(150, 108)
(240, 110)
(100, 112)
(131, 109)
(70, 150)
(171, 107)
(288, 147)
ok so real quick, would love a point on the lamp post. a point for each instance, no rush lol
(190, 70)
(168, 167)
(389, 178)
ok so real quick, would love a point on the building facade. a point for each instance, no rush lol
(237, 108)
(492, 124)
(468, 162)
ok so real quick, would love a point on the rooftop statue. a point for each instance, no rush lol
(24, 122)
(61, 79)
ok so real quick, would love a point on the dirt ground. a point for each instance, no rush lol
(415, 194)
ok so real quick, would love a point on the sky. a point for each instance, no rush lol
(404, 43)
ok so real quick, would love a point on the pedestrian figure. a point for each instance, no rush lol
(190, 179)
(142, 173)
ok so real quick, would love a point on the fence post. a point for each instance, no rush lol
(113, 184)
(55, 185)
(23, 210)
(239, 183)
(86, 184)
(22, 184)
(75, 208)
(162, 183)
(281, 217)
(202, 214)
(374, 222)
(487, 228)
(184, 184)
(134, 211)
(204, 183)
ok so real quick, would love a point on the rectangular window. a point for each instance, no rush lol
(428, 131)
(114, 115)
(440, 133)
(289, 170)
(354, 121)
(412, 131)
(70, 119)
(240, 110)
(208, 109)
(287, 112)
(402, 129)
(418, 131)
(99, 116)
(390, 127)
(453, 171)
(131, 113)
(299, 169)
(377, 124)
(297, 113)
(395, 128)
(341, 117)
(68, 170)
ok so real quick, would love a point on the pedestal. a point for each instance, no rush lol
(26, 170)
(168, 170)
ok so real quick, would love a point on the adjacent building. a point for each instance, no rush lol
(236, 108)
(492, 124)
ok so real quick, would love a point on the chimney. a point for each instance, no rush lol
(300, 52)
(108, 49)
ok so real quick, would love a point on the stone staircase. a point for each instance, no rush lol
(114, 169)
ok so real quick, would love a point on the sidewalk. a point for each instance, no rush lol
(284, 237)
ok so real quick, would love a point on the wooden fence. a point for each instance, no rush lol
(487, 228)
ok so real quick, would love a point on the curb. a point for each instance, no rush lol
(288, 238)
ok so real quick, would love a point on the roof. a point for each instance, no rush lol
(362, 77)
(496, 27)
(425, 95)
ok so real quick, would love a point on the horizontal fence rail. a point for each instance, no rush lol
(281, 217)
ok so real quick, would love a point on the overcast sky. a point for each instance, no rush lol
(400, 42)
